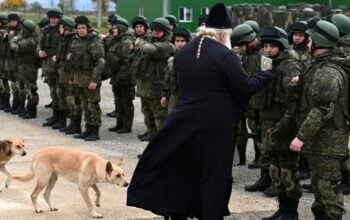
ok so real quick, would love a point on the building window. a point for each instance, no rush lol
(141, 11)
(205, 10)
(185, 14)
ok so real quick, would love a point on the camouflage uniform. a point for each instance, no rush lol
(25, 48)
(170, 89)
(87, 66)
(323, 129)
(122, 80)
(4, 85)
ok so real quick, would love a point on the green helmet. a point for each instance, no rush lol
(3, 18)
(111, 17)
(242, 33)
(54, 12)
(29, 25)
(82, 20)
(122, 24)
(323, 34)
(67, 21)
(172, 19)
(182, 32)
(253, 24)
(202, 18)
(274, 34)
(341, 22)
(13, 16)
(44, 20)
(139, 20)
(161, 23)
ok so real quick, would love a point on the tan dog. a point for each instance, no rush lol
(8, 149)
(83, 168)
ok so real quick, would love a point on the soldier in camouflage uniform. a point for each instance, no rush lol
(172, 20)
(321, 118)
(87, 63)
(280, 97)
(48, 42)
(299, 40)
(11, 64)
(343, 24)
(140, 26)
(121, 78)
(245, 38)
(4, 84)
(181, 36)
(151, 70)
(67, 93)
(25, 46)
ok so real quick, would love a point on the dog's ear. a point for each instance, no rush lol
(119, 161)
(9, 142)
(109, 168)
(5, 147)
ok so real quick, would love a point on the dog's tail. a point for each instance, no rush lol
(30, 175)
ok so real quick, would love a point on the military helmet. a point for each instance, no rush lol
(253, 24)
(29, 25)
(242, 33)
(3, 18)
(67, 21)
(44, 20)
(323, 33)
(172, 19)
(299, 26)
(275, 34)
(202, 18)
(54, 12)
(13, 16)
(341, 22)
(161, 23)
(122, 24)
(111, 17)
(139, 20)
(82, 20)
(182, 32)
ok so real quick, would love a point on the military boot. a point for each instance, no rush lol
(93, 134)
(115, 128)
(31, 112)
(262, 183)
(303, 168)
(282, 208)
(20, 107)
(62, 120)
(256, 161)
(76, 126)
(241, 148)
(54, 119)
(64, 129)
(307, 187)
(13, 107)
(291, 212)
(271, 191)
(144, 134)
(112, 114)
(85, 133)
(48, 105)
(5, 102)
(24, 112)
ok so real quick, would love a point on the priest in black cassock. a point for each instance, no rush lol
(186, 169)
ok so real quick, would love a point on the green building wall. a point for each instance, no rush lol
(130, 8)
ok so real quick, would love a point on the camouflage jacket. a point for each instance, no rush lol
(61, 56)
(49, 41)
(107, 41)
(117, 60)
(87, 60)
(344, 43)
(135, 58)
(24, 46)
(3, 46)
(279, 94)
(305, 57)
(11, 61)
(324, 104)
(151, 72)
(170, 87)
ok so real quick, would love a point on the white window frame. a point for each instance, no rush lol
(205, 10)
(141, 11)
(185, 18)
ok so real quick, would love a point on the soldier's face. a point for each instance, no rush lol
(82, 30)
(157, 34)
(53, 21)
(61, 28)
(242, 48)
(109, 26)
(139, 30)
(298, 38)
(115, 30)
(13, 23)
(179, 42)
(271, 50)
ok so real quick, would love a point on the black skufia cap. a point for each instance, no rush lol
(219, 17)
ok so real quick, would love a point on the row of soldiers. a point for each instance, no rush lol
(75, 61)
(305, 109)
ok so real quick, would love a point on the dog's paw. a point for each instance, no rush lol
(7, 184)
(39, 211)
(53, 209)
(97, 215)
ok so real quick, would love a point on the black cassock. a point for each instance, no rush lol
(187, 167)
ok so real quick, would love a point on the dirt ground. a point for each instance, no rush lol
(15, 202)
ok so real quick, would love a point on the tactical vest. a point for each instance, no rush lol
(50, 40)
(3, 47)
(82, 60)
(64, 50)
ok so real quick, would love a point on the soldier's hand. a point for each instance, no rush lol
(54, 59)
(294, 81)
(137, 41)
(296, 145)
(164, 102)
(42, 54)
(92, 86)
(69, 56)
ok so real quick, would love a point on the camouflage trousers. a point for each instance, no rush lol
(90, 102)
(74, 102)
(114, 90)
(154, 114)
(325, 177)
(52, 82)
(283, 172)
(124, 96)
(28, 88)
(264, 146)
(62, 95)
(242, 131)
(17, 94)
(5, 89)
